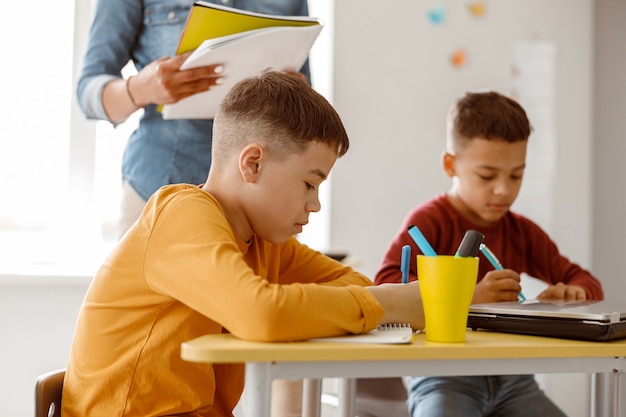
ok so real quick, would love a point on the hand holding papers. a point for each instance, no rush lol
(246, 44)
(243, 55)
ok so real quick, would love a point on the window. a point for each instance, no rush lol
(34, 121)
(60, 173)
(34, 114)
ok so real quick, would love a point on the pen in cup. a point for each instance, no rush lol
(470, 244)
(405, 263)
(420, 241)
(496, 263)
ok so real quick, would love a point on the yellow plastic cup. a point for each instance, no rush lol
(447, 285)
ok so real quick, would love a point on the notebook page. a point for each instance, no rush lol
(383, 334)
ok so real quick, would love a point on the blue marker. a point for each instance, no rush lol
(496, 263)
(420, 241)
(405, 262)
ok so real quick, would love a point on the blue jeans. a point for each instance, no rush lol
(479, 396)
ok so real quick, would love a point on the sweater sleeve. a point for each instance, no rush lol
(112, 37)
(194, 258)
(548, 264)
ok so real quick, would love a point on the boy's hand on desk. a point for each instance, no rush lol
(562, 291)
(497, 285)
(402, 303)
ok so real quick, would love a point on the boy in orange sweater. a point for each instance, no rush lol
(222, 257)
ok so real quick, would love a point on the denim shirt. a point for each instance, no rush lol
(160, 151)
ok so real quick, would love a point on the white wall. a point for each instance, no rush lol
(37, 316)
(609, 196)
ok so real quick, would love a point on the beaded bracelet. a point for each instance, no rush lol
(128, 91)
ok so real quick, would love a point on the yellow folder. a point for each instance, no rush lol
(208, 21)
(244, 42)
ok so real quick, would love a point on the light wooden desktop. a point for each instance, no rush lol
(483, 353)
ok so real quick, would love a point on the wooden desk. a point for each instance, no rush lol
(484, 353)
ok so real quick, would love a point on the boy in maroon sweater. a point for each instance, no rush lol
(485, 156)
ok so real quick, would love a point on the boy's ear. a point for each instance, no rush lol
(249, 162)
(447, 160)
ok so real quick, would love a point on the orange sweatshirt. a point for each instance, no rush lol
(180, 273)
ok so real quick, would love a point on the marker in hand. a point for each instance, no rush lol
(496, 263)
(405, 263)
(420, 241)
(470, 244)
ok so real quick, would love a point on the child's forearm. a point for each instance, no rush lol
(401, 303)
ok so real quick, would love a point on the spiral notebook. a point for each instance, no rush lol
(388, 334)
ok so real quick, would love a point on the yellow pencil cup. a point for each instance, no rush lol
(447, 286)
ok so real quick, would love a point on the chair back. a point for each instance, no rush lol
(48, 391)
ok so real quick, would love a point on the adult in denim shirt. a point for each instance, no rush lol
(147, 32)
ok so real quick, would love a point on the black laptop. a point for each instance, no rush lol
(583, 320)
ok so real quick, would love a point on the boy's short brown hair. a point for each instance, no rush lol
(485, 115)
(282, 111)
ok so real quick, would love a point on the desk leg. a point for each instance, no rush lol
(600, 395)
(619, 395)
(346, 393)
(311, 397)
(607, 396)
(257, 402)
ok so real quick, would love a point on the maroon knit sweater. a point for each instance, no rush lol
(519, 244)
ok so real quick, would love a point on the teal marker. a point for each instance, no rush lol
(420, 241)
(496, 263)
